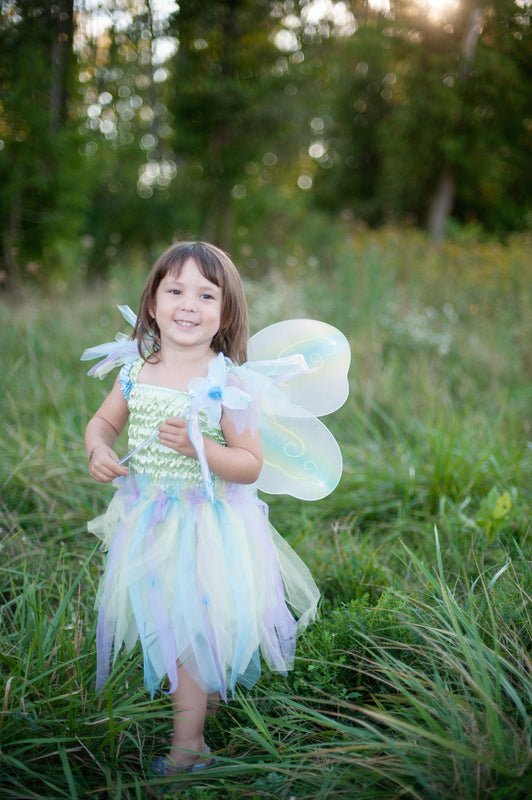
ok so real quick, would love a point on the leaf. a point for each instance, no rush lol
(502, 505)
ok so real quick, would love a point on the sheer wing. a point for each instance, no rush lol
(301, 457)
(323, 387)
(298, 371)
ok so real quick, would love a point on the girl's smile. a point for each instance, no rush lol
(187, 308)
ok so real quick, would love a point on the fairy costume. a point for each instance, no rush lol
(194, 569)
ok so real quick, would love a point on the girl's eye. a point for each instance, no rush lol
(175, 291)
(207, 296)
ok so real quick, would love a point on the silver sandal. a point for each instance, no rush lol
(164, 766)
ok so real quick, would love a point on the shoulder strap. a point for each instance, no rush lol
(128, 375)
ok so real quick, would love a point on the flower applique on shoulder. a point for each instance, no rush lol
(125, 379)
(122, 351)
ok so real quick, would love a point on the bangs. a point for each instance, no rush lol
(207, 263)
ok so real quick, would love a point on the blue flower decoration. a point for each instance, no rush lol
(211, 393)
(126, 384)
(208, 395)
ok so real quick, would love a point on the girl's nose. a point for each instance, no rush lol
(188, 303)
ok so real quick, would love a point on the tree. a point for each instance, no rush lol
(432, 117)
(126, 129)
(42, 195)
(228, 102)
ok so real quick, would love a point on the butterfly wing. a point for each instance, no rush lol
(323, 387)
(298, 371)
(301, 457)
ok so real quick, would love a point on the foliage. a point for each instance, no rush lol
(126, 127)
(437, 696)
(409, 104)
(43, 201)
(227, 102)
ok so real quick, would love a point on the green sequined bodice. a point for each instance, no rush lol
(149, 406)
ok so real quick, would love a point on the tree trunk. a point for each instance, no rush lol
(470, 40)
(440, 207)
(62, 33)
(11, 279)
(441, 204)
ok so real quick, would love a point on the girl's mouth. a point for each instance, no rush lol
(183, 323)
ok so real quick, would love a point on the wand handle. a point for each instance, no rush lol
(140, 446)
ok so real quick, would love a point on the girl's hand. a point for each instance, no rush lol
(103, 464)
(173, 433)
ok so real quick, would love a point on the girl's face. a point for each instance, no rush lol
(187, 309)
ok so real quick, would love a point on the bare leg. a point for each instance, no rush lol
(189, 703)
(213, 704)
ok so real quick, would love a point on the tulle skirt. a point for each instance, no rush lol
(209, 586)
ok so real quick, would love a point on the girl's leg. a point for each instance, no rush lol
(213, 704)
(189, 703)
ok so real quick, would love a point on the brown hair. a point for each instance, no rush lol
(216, 267)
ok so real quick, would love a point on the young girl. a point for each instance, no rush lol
(194, 570)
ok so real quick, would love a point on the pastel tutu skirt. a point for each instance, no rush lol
(207, 585)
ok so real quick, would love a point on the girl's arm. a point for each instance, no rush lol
(239, 461)
(101, 433)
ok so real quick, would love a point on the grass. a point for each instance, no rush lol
(415, 682)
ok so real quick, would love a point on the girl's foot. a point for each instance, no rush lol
(165, 766)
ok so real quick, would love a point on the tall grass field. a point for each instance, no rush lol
(415, 680)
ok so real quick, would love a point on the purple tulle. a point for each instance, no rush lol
(208, 618)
